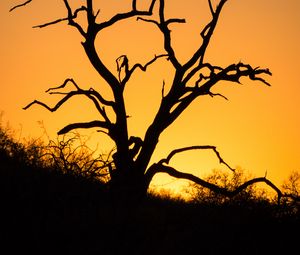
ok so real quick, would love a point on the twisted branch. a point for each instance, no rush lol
(94, 96)
(206, 34)
(71, 18)
(91, 91)
(198, 147)
(160, 168)
(129, 72)
(163, 25)
(136, 143)
(232, 73)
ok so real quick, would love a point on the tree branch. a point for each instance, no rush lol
(233, 73)
(148, 20)
(50, 23)
(122, 16)
(71, 17)
(91, 91)
(218, 94)
(65, 99)
(129, 72)
(206, 34)
(91, 94)
(181, 104)
(144, 67)
(100, 98)
(134, 5)
(137, 143)
(85, 125)
(160, 168)
(163, 25)
(199, 147)
(64, 85)
(170, 21)
(211, 7)
(20, 5)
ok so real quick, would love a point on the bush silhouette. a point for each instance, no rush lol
(46, 210)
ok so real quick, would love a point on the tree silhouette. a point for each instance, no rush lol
(130, 171)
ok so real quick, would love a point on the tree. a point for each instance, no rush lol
(130, 171)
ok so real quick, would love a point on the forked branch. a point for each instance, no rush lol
(163, 25)
(198, 147)
(206, 35)
(232, 73)
(235, 71)
(91, 91)
(211, 7)
(123, 16)
(129, 71)
(93, 95)
(163, 167)
(160, 168)
(71, 19)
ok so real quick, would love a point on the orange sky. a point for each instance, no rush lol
(257, 129)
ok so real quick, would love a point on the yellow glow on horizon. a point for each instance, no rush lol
(257, 129)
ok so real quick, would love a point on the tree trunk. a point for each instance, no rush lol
(127, 188)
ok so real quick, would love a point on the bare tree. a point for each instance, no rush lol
(130, 171)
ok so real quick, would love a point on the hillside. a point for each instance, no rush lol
(47, 211)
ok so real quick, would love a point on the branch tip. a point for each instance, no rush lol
(20, 5)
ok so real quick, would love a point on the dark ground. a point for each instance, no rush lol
(46, 212)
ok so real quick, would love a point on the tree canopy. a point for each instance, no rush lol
(131, 171)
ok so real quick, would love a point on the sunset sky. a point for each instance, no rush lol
(256, 129)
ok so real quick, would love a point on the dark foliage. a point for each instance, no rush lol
(47, 210)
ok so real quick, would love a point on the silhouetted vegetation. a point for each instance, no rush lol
(51, 204)
(62, 199)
